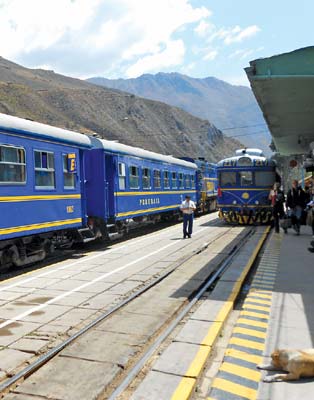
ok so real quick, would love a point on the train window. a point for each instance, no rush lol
(181, 181)
(146, 178)
(44, 170)
(69, 178)
(244, 161)
(121, 172)
(192, 181)
(166, 180)
(188, 181)
(174, 180)
(246, 178)
(228, 179)
(134, 177)
(157, 180)
(12, 165)
(265, 178)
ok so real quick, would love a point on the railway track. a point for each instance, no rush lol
(125, 373)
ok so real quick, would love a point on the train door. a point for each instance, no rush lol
(110, 173)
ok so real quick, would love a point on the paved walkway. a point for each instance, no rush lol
(292, 312)
(277, 313)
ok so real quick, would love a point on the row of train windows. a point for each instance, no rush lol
(247, 178)
(169, 179)
(13, 168)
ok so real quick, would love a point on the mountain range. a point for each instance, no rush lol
(75, 104)
(232, 109)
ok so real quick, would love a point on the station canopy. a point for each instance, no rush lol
(284, 88)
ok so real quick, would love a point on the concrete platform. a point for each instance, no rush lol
(292, 319)
(277, 313)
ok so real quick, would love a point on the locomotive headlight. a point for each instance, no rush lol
(256, 202)
(234, 202)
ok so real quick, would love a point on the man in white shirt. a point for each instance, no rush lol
(187, 207)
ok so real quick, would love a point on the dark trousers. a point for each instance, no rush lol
(187, 224)
(296, 218)
(277, 214)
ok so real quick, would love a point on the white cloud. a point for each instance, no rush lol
(172, 56)
(211, 55)
(37, 24)
(242, 34)
(80, 37)
(203, 28)
(234, 35)
(245, 53)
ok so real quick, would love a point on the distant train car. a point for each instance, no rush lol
(125, 182)
(206, 184)
(41, 190)
(244, 182)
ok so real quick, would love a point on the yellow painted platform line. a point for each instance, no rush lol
(250, 344)
(234, 388)
(247, 306)
(254, 314)
(251, 322)
(252, 358)
(212, 334)
(197, 364)
(243, 372)
(264, 273)
(250, 332)
(185, 389)
(259, 295)
(268, 285)
(264, 281)
(258, 301)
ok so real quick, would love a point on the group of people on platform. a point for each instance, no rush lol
(299, 207)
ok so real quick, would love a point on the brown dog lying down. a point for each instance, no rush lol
(298, 363)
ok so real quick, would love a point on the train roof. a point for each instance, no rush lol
(256, 157)
(26, 127)
(120, 148)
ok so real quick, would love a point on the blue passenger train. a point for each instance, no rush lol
(207, 184)
(244, 184)
(127, 184)
(58, 187)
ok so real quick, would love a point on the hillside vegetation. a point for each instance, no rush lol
(225, 105)
(54, 99)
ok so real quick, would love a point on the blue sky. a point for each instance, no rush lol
(126, 38)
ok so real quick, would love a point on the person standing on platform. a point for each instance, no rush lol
(296, 202)
(187, 207)
(277, 198)
(310, 208)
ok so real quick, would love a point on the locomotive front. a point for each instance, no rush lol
(244, 184)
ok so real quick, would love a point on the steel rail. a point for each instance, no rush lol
(26, 372)
(159, 340)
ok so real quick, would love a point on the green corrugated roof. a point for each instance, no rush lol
(284, 88)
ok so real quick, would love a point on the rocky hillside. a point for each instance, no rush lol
(47, 97)
(223, 104)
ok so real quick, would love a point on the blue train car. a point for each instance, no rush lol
(206, 184)
(244, 184)
(126, 183)
(41, 191)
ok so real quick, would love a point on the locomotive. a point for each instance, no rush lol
(244, 182)
(58, 187)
